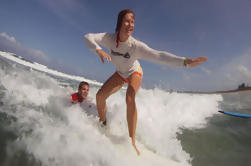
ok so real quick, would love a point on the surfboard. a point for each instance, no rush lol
(236, 114)
(147, 157)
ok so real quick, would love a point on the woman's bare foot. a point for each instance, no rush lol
(134, 145)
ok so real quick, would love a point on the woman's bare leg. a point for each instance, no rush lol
(112, 85)
(133, 86)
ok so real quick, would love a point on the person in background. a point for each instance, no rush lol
(82, 94)
(82, 98)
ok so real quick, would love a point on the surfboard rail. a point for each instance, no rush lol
(240, 115)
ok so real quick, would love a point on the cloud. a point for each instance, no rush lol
(239, 69)
(11, 39)
(238, 74)
(231, 74)
(10, 44)
(235, 72)
(243, 71)
(205, 70)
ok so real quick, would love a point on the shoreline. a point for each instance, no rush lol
(219, 92)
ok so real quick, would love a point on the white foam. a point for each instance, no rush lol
(44, 68)
(161, 115)
(58, 133)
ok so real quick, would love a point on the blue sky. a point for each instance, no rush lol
(51, 32)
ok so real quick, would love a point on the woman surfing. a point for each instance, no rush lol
(124, 52)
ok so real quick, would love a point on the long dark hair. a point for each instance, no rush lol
(121, 15)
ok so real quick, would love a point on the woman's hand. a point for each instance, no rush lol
(195, 61)
(102, 54)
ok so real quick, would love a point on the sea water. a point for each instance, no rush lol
(40, 126)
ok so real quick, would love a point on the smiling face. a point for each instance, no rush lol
(83, 91)
(127, 26)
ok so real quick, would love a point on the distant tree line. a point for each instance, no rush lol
(242, 86)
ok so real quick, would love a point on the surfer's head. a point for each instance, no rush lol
(125, 24)
(83, 89)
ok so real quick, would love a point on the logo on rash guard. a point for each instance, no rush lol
(126, 55)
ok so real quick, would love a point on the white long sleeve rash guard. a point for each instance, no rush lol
(125, 57)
